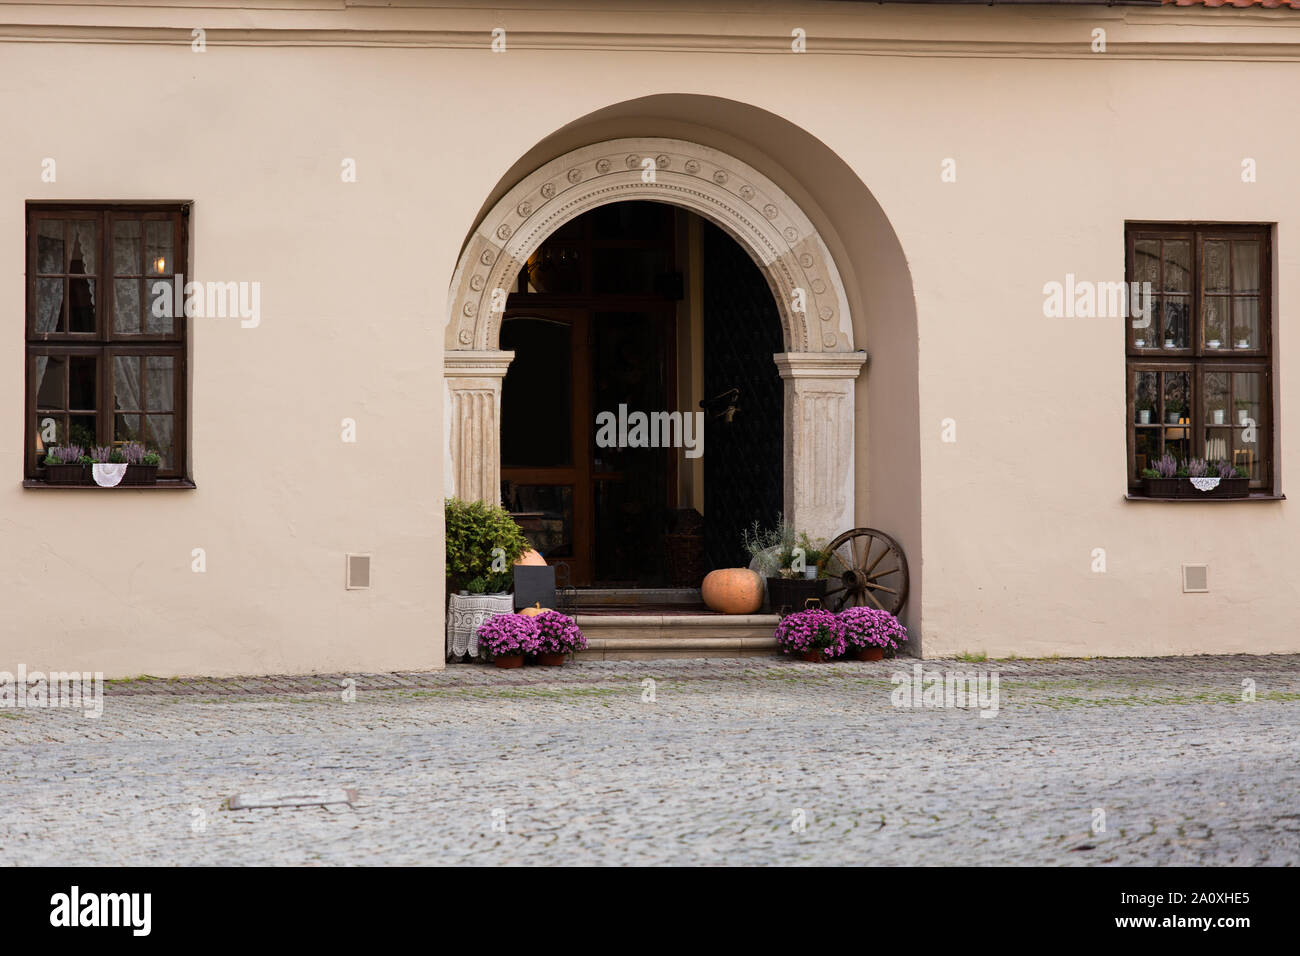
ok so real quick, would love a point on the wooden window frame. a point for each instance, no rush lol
(104, 342)
(1196, 358)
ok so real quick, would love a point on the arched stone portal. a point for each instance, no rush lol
(819, 365)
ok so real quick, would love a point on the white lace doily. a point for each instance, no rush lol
(1204, 484)
(107, 476)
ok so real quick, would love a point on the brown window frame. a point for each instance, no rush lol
(1196, 359)
(104, 342)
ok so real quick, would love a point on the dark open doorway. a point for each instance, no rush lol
(636, 307)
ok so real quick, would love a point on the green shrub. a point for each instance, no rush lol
(474, 529)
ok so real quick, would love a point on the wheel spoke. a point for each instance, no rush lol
(877, 561)
(873, 600)
(881, 574)
(881, 587)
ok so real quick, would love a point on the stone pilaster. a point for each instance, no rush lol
(819, 439)
(473, 381)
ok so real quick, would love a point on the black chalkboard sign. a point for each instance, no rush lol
(534, 584)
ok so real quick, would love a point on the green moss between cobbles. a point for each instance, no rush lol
(1174, 700)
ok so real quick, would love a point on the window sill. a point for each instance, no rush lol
(164, 484)
(1207, 501)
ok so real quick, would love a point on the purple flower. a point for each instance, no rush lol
(558, 633)
(66, 454)
(502, 635)
(813, 629)
(871, 627)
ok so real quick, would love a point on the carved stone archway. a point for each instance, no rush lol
(818, 367)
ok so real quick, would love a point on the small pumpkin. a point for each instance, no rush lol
(535, 610)
(531, 557)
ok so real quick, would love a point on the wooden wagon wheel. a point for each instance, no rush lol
(865, 567)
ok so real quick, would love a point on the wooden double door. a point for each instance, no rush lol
(601, 513)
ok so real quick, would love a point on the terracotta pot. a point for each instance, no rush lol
(531, 557)
(733, 591)
(509, 660)
(813, 657)
(869, 653)
(547, 659)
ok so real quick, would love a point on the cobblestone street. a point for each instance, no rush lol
(485, 766)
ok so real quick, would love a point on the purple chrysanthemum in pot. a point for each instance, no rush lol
(504, 635)
(871, 627)
(815, 629)
(558, 634)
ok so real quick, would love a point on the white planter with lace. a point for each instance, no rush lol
(465, 613)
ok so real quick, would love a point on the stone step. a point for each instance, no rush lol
(628, 637)
(634, 597)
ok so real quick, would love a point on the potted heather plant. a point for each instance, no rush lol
(1174, 408)
(1241, 333)
(508, 637)
(141, 464)
(1161, 479)
(66, 465)
(107, 466)
(558, 635)
(1215, 480)
(814, 635)
(868, 632)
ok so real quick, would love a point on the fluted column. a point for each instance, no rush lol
(819, 439)
(473, 381)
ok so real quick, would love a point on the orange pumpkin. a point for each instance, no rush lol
(535, 610)
(733, 591)
(531, 557)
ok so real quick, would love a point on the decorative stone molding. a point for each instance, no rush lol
(754, 210)
(819, 365)
(473, 383)
(819, 439)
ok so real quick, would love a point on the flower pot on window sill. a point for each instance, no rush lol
(1163, 487)
(1171, 418)
(1183, 488)
(140, 475)
(1243, 343)
(1213, 343)
(1226, 488)
(73, 474)
(1144, 416)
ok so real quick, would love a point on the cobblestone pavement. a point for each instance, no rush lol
(485, 766)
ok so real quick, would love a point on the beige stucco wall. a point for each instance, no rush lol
(1055, 149)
